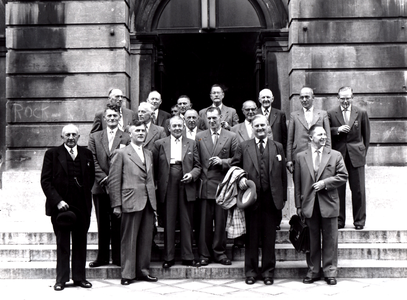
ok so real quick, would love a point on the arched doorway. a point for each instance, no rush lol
(197, 43)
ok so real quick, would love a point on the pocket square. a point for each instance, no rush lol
(279, 157)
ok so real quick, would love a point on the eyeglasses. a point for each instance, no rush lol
(250, 109)
(70, 134)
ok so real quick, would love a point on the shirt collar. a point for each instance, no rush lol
(75, 149)
(136, 147)
(263, 109)
(114, 130)
(258, 140)
(220, 106)
(216, 131)
(173, 138)
(348, 109)
(315, 149)
(193, 130)
(310, 109)
(148, 125)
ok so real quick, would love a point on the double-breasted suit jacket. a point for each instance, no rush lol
(154, 133)
(190, 164)
(298, 131)
(278, 124)
(99, 122)
(241, 132)
(225, 149)
(228, 115)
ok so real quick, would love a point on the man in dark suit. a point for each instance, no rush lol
(177, 167)
(216, 146)
(350, 131)
(276, 117)
(67, 177)
(300, 122)
(319, 171)
(154, 132)
(244, 130)
(132, 196)
(127, 116)
(160, 116)
(264, 161)
(103, 144)
(229, 115)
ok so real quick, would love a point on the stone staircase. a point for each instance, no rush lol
(367, 253)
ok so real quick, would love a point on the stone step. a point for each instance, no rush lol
(347, 235)
(287, 269)
(284, 252)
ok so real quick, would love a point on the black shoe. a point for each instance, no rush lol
(97, 263)
(59, 286)
(149, 278)
(83, 284)
(268, 281)
(250, 280)
(307, 280)
(168, 264)
(191, 263)
(359, 227)
(225, 261)
(341, 226)
(330, 280)
(126, 281)
(202, 262)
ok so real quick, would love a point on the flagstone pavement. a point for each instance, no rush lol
(354, 288)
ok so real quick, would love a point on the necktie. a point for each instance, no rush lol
(308, 117)
(72, 154)
(120, 125)
(345, 116)
(177, 141)
(261, 146)
(266, 112)
(215, 139)
(317, 161)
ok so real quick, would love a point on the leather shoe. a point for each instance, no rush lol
(191, 263)
(203, 262)
(250, 280)
(59, 286)
(308, 280)
(83, 283)
(330, 280)
(268, 281)
(149, 278)
(341, 226)
(359, 227)
(126, 281)
(97, 263)
(225, 261)
(168, 264)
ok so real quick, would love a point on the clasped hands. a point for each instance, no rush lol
(215, 160)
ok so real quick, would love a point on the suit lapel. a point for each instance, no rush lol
(185, 146)
(301, 118)
(105, 141)
(167, 149)
(152, 131)
(147, 159)
(82, 158)
(62, 158)
(225, 113)
(133, 156)
(243, 132)
(117, 139)
(310, 164)
(272, 153)
(251, 149)
(315, 117)
(272, 116)
(221, 140)
(339, 116)
(353, 115)
(207, 139)
(324, 160)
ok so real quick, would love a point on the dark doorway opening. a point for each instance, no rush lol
(194, 62)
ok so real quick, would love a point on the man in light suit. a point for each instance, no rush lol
(67, 177)
(216, 147)
(350, 131)
(319, 171)
(264, 161)
(127, 116)
(154, 132)
(276, 117)
(103, 144)
(159, 116)
(177, 167)
(191, 119)
(229, 115)
(132, 197)
(244, 130)
(300, 122)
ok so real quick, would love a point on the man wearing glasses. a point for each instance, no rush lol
(127, 116)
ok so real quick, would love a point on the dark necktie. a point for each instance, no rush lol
(215, 138)
(317, 161)
(266, 112)
(261, 146)
(72, 154)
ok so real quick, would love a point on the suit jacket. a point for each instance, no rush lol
(162, 117)
(99, 122)
(357, 140)
(190, 164)
(241, 132)
(54, 177)
(225, 149)
(278, 123)
(332, 171)
(246, 157)
(298, 134)
(99, 145)
(154, 133)
(131, 183)
(228, 114)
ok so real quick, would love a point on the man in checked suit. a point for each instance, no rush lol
(132, 197)
(350, 131)
(216, 147)
(177, 167)
(154, 132)
(300, 122)
(127, 116)
(103, 144)
(67, 177)
(319, 171)
(229, 115)
(264, 161)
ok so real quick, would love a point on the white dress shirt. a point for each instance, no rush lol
(213, 136)
(139, 151)
(309, 114)
(111, 133)
(249, 128)
(258, 142)
(314, 154)
(191, 134)
(346, 114)
(176, 149)
(74, 149)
